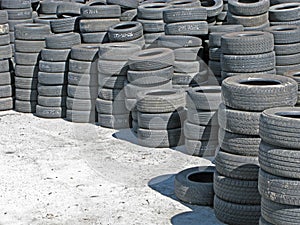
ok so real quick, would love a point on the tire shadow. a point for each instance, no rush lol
(199, 215)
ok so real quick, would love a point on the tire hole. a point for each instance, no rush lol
(260, 82)
(293, 115)
(125, 26)
(157, 93)
(248, 1)
(202, 177)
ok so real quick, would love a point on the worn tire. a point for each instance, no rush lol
(187, 28)
(248, 8)
(62, 41)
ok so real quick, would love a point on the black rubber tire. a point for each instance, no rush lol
(294, 74)
(262, 221)
(213, 7)
(50, 112)
(225, 75)
(96, 25)
(236, 214)
(26, 94)
(55, 55)
(3, 16)
(53, 67)
(77, 116)
(111, 81)
(237, 166)
(236, 191)
(285, 12)
(29, 46)
(68, 9)
(111, 94)
(117, 51)
(285, 34)
(152, 11)
(82, 79)
(45, 19)
(4, 39)
(173, 15)
(26, 71)
(187, 66)
(128, 4)
(82, 92)
(129, 15)
(5, 65)
(111, 107)
(26, 83)
(248, 21)
(25, 106)
(52, 78)
(63, 41)
(12, 23)
(6, 52)
(202, 117)
(6, 91)
(242, 92)
(65, 25)
(195, 185)
(184, 3)
(15, 4)
(187, 54)
(215, 53)
(29, 59)
(34, 32)
(125, 31)
(187, 28)
(5, 78)
(120, 121)
(285, 60)
(110, 67)
(6, 104)
(178, 41)
(84, 67)
(248, 8)
(80, 104)
(152, 26)
(52, 90)
(200, 148)
(85, 52)
(51, 101)
(48, 7)
(187, 79)
(247, 43)
(280, 70)
(201, 133)
(280, 126)
(100, 11)
(94, 38)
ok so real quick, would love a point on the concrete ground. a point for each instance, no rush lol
(57, 172)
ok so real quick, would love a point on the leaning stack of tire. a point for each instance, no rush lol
(252, 15)
(216, 32)
(160, 115)
(52, 76)
(278, 157)
(285, 14)
(286, 46)
(148, 69)
(30, 40)
(96, 18)
(150, 15)
(247, 52)
(244, 96)
(188, 67)
(6, 89)
(294, 74)
(201, 127)
(112, 75)
(19, 11)
(128, 8)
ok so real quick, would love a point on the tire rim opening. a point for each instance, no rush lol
(207, 3)
(287, 7)
(249, 35)
(260, 82)
(248, 1)
(157, 93)
(293, 115)
(146, 54)
(125, 26)
(202, 177)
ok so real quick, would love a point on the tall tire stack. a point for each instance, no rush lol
(286, 47)
(245, 96)
(128, 8)
(131, 31)
(189, 69)
(148, 69)
(279, 178)
(30, 40)
(253, 15)
(216, 32)
(294, 74)
(95, 21)
(82, 84)
(19, 11)
(285, 14)
(160, 115)
(53, 72)
(247, 52)
(6, 89)
(150, 15)
(112, 76)
(201, 127)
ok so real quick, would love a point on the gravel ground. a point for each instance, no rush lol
(57, 172)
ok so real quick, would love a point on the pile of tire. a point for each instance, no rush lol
(112, 77)
(160, 115)
(82, 84)
(201, 127)
(295, 74)
(6, 81)
(286, 47)
(279, 174)
(247, 52)
(30, 40)
(96, 18)
(53, 72)
(285, 14)
(148, 69)
(237, 199)
(252, 15)
(189, 69)
(216, 32)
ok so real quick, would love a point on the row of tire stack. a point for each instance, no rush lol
(252, 15)
(6, 76)
(30, 40)
(284, 13)
(245, 97)
(286, 47)
(278, 157)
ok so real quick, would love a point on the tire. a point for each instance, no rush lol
(5, 65)
(202, 117)
(215, 54)
(4, 28)
(178, 41)
(26, 83)
(27, 59)
(26, 71)
(213, 8)
(95, 38)
(65, 25)
(160, 100)
(26, 94)
(111, 107)
(111, 94)
(15, 4)
(236, 166)
(80, 104)
(109, 67)
(285, 34)
(62, 41)
(285, 60)
(187, 28)
(117, 51)
(45, 19)
(129, 15)
(111, 81)
(82, 79)
(82, 92)
(187, 79)
(77, 116)
(195, 185)
(152, 26)
(84, 67)
(131, 4)
(52, 91)
(125, 31)
(5, 52)
(152, 11)
(120, 121)
(51, 101)
(262, 221)
(48, 7)
(225, 75)
(29, 46)
(184, 3)
(3, 16)
(68, 9)
(85, 52)
(4, 39)
(52, 78)
(50, 112)
(25, 106)
(248, 21)
(5, 78)
(285, 12)
(151, 59)
(236, 214)
(53, 67)
(278, 189)
(236, 191)
(173, 15)
(12, 23)
(55, 55)
(280, 70)
(186, 66)
(6, 104)
(200, 148)
(187, 54)
(242, 92)
(96, 25)
(34, 32)
(201, 133)
(284, 127)
(100, 11)
(248, 9)
(294, 74)
(247, 43)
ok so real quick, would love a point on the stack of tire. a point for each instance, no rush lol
(6, 96)
(30, 40)
(148, 69)
(214, 10)
(247, 52)
(201, 127)
(279, 174)
(252, 15)
(53, 72)
(131, 31)
(95, 20)
(160, 115)
(286, 46)
(216, 32)
(19, 11)
(222, 17)
(189, 69)
(295, 74)
(150, 15)
(237, 199)
(112, 77)
(285, 14)
(128, 8)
